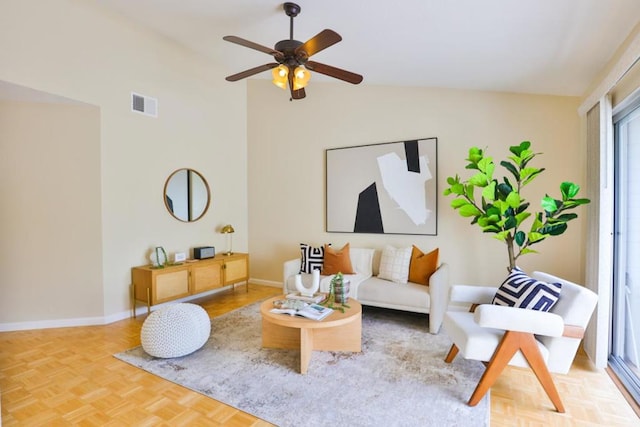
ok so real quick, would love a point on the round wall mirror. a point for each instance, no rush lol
(187, 195)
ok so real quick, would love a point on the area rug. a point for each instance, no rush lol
(399, 378)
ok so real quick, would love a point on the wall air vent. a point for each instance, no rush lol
(144, 105)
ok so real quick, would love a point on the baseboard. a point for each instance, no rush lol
(141, 309)
(266, 282)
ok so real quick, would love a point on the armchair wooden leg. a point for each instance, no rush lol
(501, 357)
(536, 362)
(453, 352)
(510, 344)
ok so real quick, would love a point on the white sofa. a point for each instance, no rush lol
(368, 289)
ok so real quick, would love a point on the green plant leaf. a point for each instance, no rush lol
(528, 174)
(519, 238)
(549, 204)
(469, 193)
(457, 203)
(534, 237)
(511, 168)
(520, 217)
(554, 230)
(513, 199)
(479, 180)
(451, 180)
(528, 251)
(518, 149)
(457, 189)
(475, 155)
(569, 190)
(510, 223)
(469, 210)
(489, 192)
(504, 190)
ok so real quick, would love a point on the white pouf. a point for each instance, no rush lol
(175, 330)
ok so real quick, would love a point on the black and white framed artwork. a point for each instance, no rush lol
(388, 188)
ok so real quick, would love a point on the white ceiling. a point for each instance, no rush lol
(534, 46)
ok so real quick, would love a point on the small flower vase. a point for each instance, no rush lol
(342, 291)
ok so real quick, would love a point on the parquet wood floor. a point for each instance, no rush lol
(68, 376)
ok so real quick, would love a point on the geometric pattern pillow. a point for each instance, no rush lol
(311, 258)
(394, 264)
(520, 290)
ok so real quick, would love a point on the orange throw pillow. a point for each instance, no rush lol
(336, 261)
(423, 265)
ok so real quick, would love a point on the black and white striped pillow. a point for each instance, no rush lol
(520, 290)
(311, 258)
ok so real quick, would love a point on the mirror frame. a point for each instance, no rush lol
(190, 174)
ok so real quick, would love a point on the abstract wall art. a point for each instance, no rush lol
(388, 188)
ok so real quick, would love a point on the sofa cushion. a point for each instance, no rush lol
(311, 258)
(383, 293)
(337, 261)
(423, 265)
(394, 264)
(520, 290)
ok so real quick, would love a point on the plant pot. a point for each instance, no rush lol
(342, 292)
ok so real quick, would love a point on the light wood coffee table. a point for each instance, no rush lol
(337, 332)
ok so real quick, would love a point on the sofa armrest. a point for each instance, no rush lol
(290, 268)
(439, 296)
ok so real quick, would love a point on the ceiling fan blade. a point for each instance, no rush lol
(251, 72)
(334, 72)
(252, 45)
(320, 41)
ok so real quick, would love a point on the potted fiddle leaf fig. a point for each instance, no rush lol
(498, 206)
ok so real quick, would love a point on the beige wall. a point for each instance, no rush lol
(287, 141)
(50, 251)
(74, 49)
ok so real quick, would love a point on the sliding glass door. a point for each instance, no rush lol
(625, 343)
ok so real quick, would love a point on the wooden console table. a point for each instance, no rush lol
(157, 285)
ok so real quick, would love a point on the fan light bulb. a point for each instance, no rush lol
(280, 74)
(301, 77)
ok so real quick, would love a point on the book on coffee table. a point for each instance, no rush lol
(316, 298)
(310, 311)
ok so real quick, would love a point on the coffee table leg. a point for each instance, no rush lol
(306, 346)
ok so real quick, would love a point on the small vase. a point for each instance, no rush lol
(342, 292)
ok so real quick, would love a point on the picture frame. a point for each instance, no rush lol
(385, 188)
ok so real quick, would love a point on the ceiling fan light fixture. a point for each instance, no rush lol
(301, 77)
(280, 74)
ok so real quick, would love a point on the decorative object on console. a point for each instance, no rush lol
(423, 265)
(204, 252)
(394, 264)
(158, 257)
(228, 230)
(388, 188)
(503, 209)
(315, 284)
(336, 261)
(520, 290)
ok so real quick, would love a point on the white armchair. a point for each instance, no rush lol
(500, 335)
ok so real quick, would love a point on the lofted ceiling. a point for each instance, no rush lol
(533, 46)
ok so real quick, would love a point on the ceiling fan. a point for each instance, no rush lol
(292, 58)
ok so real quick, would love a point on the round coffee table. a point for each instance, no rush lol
(337, 332)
